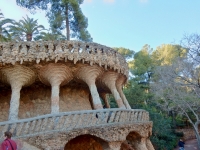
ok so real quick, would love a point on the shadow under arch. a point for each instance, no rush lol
(86, 142)
(134, 141)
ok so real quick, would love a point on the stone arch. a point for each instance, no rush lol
(134, 141)
(86, 142)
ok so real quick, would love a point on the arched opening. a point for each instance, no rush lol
(132, 142)
(86, 142)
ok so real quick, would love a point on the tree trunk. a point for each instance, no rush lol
(1, 35)
(196, 130)
(67, 23)
(29, 37)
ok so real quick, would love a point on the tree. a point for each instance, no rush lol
(127, 53)
(163, 136)
(62, 14)
(50, 36)
(4, 34)
(176, 80)
(142, 65)
(177, 88)
(27, 28)
(167, 53)
(139, 94)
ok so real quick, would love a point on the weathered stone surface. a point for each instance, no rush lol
(22, 145)
(74, 51)
(56, 85)
(113, 135)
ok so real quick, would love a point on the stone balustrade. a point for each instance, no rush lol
(68, 121)
(40, 51)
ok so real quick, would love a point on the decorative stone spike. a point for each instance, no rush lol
(38, 61)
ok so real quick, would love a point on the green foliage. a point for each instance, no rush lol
(4, 34)
(62, 14)
(27, 28)
(167, 53)
(50, 36)
(113, 103)
(127, 53)
(142, 62)
(163, 136)
(137, 94)
(137, 89)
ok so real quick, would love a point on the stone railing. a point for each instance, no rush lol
(92, 53)
(67, 121)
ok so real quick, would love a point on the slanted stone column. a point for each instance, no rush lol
(119, 84)
(17, 77)
(89, 74)
(140, 144)
(105, 99)
(149, 144)
(114, 145)
(109, 79)
(55, 75)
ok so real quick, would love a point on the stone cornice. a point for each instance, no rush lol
(75, 51)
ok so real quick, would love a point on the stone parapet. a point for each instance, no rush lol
(72, 120)
(111, 125)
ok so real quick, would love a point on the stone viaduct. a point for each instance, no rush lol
(52, 96)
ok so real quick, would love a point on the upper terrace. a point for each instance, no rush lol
(54, 90)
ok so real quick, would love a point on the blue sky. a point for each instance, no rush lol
(129, 23)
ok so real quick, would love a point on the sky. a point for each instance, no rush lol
(128, 23)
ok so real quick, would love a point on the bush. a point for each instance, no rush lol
(163, 136)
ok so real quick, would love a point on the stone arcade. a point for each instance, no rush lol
(51, 92)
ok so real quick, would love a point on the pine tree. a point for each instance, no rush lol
(62, 14)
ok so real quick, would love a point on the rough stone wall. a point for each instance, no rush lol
(111, 133)
(188, 134)
(36, 100)
(72, 99)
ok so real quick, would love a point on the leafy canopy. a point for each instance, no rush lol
(62, 14)
(4, 34)
(27, 28)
